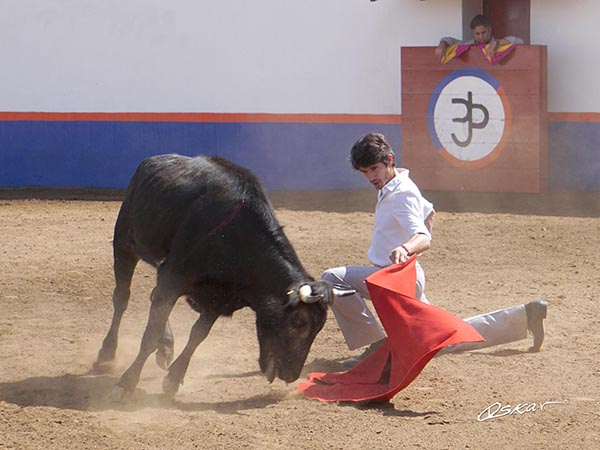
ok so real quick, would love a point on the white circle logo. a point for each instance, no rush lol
(469, 118)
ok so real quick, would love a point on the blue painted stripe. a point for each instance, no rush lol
(94, 154)
(574, 156)
(286, 156)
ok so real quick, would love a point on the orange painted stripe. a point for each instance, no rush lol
(388, 119)
(574, 117)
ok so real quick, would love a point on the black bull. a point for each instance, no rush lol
(209, 229)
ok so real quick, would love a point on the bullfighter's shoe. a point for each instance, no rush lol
(536, 313)
(351, 362)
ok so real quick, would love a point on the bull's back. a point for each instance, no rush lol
(168, 192)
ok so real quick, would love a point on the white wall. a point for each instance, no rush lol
(570, 30)
(277, 56)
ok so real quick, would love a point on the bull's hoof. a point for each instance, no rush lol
(106, 355)
(102, 367)
(164, 357)
(118, 394)
(170, 386)
(104, 362)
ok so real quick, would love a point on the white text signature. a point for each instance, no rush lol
(496, 410)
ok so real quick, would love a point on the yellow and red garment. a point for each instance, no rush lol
(502, 52)
(453, 51)
(416, 332)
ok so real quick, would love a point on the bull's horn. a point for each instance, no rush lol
(306, 296)
(343, 292)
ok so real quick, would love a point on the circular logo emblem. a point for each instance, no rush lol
(469, 118)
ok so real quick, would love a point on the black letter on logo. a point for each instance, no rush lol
(469, 118)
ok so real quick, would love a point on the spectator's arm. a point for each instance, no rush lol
(445, 42)
(510, 40)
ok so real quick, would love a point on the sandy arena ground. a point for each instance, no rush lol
(56, 285)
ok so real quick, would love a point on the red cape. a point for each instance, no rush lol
(416, 332)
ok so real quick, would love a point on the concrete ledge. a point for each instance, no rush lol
(577, 203)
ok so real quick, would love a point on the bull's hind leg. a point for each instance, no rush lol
(163, 300)
(178, 369)
(124, 266)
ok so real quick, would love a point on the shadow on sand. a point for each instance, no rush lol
(90, 392)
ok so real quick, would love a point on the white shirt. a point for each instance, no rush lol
(400, 213)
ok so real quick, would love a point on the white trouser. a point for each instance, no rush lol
(358, 324)
(360, 327)
(497, 328)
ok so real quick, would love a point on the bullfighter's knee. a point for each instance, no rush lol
(334, 276)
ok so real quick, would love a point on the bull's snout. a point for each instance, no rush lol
(271, 369)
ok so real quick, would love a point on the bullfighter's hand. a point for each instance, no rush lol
(399, 255)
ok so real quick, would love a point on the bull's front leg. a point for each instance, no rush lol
(162, 305)
(165, 351)
(178, 369)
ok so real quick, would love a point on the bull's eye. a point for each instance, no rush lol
(298, 322)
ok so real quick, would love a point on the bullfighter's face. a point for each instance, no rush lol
(379, 174)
